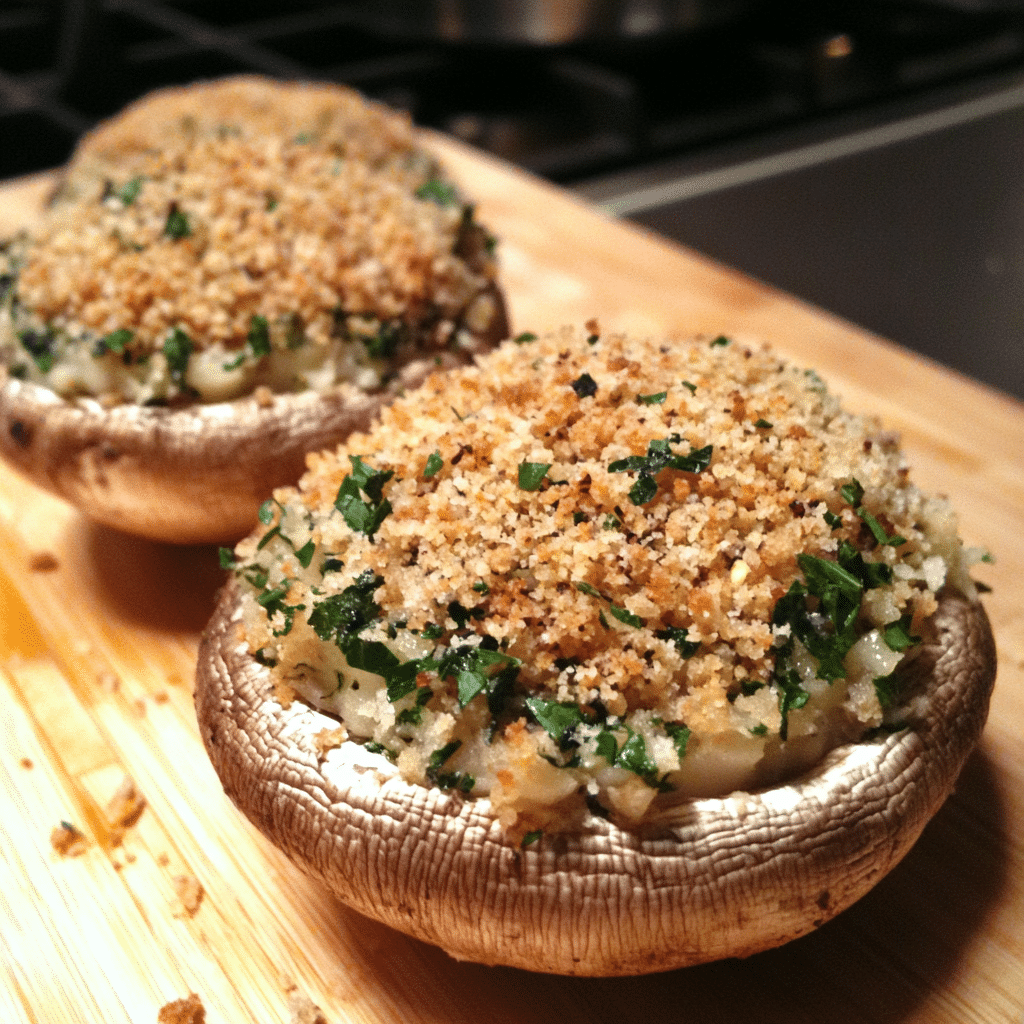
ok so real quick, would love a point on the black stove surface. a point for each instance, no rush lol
(565, 112)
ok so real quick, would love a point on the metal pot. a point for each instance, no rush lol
(543, 22)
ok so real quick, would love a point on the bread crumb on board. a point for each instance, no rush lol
(189, 892)
(302, 1009)
(189, 1010)
(68, 841)
(124, 808)
(43, 561)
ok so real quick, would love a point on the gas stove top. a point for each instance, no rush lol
(566, 112)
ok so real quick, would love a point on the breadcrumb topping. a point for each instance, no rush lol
(303, 210)
(619, 524)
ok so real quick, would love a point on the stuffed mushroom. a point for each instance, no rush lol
(227, 276)
(604, 656)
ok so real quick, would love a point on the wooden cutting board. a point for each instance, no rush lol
(98, 635)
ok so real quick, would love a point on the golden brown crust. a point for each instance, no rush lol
(713, 878)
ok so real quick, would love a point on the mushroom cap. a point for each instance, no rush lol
(712, 878)
(195, 474)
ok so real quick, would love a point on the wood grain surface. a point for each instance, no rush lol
(98, 634)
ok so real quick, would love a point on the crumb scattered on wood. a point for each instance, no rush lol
(26, 763)
(67, 840)
(43, 561)
(189, 1010)
(160, 697)
(190, 893)
(108, 681)
(163, 860)
(302, 1009)
(124, 809)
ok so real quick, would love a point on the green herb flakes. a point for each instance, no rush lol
(585, 386)
(659, 456)
(360, 497)
(177, 349)
(177, 224)
(129, 191)
(531, 474)
(439, 192)
(433, 465)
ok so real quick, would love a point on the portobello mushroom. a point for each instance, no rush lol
(605, 656)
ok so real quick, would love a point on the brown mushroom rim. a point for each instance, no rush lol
(710, 878)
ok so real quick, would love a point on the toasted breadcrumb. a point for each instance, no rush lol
(126, 805)
(303, 1010)
(189, 1010)
(523, 519)
(43, 561)
(328, 739)
(189, 893)
(68, 841)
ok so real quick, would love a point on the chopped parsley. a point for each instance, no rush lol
(448, 780)
(364, 514)
(624, 615)
(304, 554)
(680, 736)
(341, 618)
(177, 224)
(585, 386)
(433, 466)
(897, 635)
(821, 612)
(658, 398)
(384, 344)
(524, 338)
(257, 342)
(177, 350)
(853, 492)
(531, 474)
(559, 721)
(39, 345)
(437, 191)
(129, 191)
(659, 456)
(687, 648)
(530, 838)
(116, 341)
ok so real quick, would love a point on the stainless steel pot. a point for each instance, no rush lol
(543, 22)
